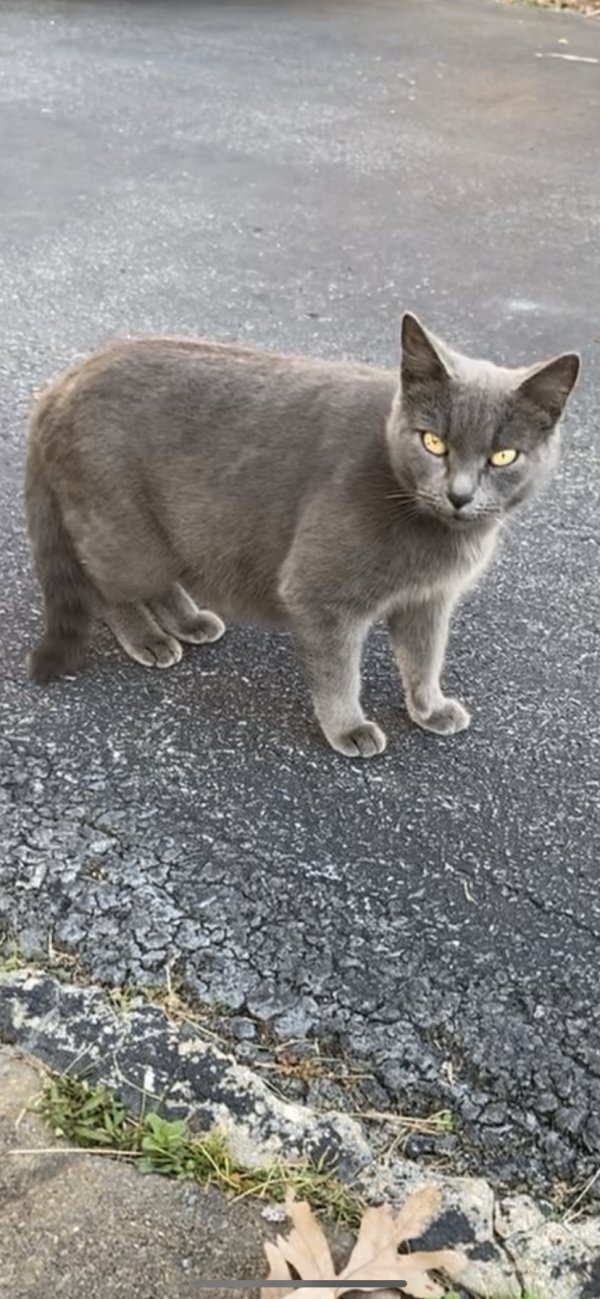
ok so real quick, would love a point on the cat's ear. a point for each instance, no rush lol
(548, 385)
(421, 361)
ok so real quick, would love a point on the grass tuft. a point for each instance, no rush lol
(94, 1119)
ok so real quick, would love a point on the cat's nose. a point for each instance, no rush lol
(459, 499)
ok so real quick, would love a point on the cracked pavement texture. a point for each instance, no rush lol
(294, 176)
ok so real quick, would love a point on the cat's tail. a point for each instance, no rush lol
(66, 590)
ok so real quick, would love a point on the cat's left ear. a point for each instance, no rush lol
(421, 360)
(548, 385)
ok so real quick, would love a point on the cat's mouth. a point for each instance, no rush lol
(449, 514)
(416, 503)
(463, 517)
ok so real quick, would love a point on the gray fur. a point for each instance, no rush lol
(283, 490)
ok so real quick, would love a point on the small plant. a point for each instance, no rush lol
(11, 958)
(87, 1116)
(443, 1121)
(165, 1145)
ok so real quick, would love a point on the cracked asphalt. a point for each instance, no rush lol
(295, 176)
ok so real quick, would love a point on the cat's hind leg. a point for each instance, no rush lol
(141, 636)
(179, 614)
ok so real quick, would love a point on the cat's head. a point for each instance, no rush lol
(470, 441)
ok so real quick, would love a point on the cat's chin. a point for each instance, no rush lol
(463, 522)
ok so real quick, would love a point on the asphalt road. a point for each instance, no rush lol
(294, 176)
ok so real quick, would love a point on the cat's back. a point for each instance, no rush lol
(171, 412)
(181, 376)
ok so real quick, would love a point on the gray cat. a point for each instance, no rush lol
(316, 496)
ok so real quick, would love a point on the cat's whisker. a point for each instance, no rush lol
(409, 509)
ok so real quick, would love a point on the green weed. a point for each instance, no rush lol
(93, 1118)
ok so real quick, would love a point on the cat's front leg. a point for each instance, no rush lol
(420, 633)
(330, 647)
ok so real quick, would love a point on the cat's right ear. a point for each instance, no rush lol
(548, 385)
(421, 362)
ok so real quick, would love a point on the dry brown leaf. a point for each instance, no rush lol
(418, 1213)
(278, 1271)
(379, 1228)
(306, 1246)
(375, 1255)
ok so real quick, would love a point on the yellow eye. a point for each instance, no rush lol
(500, 459)
(434, 444)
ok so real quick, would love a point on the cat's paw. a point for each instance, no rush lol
(448, 718)
(203, 629)
(179, 616)
(363, 741)
(154, 651)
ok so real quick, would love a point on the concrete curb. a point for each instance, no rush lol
(513, 1248)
